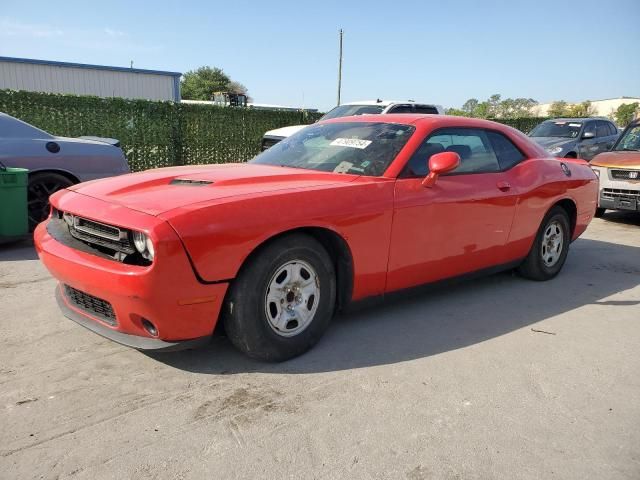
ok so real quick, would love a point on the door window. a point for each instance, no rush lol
(602, 129)
(508, 154)
(473, 145)
(426, 109)
(590, 127)
(401, 109)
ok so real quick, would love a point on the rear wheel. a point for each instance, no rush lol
(282, 301)
(550, 247)
(600, 212)
(41, 187)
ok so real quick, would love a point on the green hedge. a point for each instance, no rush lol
(160, 134)
(154, 134)
(524, 124)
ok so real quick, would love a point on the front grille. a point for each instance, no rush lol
(625, 174)
(92, 305)
(101, 234)
(620, 193)
(268, 142)
(97, 229)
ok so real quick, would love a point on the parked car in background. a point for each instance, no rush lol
(619, 173)
(345, 209)
(575, 137)
(365, 107)
(55, 162)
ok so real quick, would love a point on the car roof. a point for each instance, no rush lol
(386, 103)
(577, 119)
(421, 118)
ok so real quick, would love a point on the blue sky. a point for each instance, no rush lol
(285, 52)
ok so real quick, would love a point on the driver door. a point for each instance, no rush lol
(462, 223)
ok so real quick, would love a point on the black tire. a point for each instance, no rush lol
(247, 309)
(600, 212)
(534, 266)
(41, 187)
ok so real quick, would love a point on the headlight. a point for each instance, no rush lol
(144, 245)
(596, 171)
(554, 150)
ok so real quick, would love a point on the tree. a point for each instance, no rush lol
(625, 113)
(559, 109)
(457, 112)
(470, 106)
(584, 109)
(237, 87)
(495, 107)
(200, 84)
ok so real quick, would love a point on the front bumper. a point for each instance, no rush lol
(618, 194)
(133, 341)
(167, 293)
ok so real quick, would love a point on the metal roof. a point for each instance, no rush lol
(91, 67)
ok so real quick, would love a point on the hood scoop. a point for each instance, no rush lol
(192, 183)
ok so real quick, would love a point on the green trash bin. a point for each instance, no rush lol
(14, 220)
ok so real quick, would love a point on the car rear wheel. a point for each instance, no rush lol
(550, 247)
(41, 187)
(600, 212)
(282, 301)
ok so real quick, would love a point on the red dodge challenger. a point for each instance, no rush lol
(343, 210)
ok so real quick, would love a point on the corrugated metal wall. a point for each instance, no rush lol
(86, 81)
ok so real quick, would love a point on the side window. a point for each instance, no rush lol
(589, 127)
(508, 154)
(612, 129)
(426, 109)
(401, 109)
(602, 129)
(473, 146)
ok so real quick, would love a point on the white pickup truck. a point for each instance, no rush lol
(366, 107)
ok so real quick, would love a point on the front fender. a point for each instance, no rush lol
(219, 237)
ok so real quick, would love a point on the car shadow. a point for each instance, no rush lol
(443, 319)
(18, 250)
(621, 217)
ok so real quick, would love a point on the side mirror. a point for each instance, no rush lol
(588, 135)
(440, 163)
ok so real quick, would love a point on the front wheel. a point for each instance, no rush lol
(550, 247)
(600, 212)
(282, 301)
(41, 187)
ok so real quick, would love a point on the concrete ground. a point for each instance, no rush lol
(492, 378)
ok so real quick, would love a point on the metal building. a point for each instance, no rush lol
(82, 79)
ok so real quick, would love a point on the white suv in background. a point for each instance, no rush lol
(366, 107)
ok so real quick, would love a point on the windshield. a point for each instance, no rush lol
(557, 129)
(630, 140)
(348, 110)
(357, 148)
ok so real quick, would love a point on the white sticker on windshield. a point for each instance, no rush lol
(575, 125)
(343, 167)
(351, 142)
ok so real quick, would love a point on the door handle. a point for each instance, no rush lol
(504, 186)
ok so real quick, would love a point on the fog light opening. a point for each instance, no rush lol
(150, 327)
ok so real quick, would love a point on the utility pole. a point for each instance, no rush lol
(340, 68)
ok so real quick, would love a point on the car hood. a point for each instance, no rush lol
(157, 191)
(550, 142)
(285, 131)
(617, 160)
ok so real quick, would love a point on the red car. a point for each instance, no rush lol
(343, 210)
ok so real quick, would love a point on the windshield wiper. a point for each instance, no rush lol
(630, 149)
